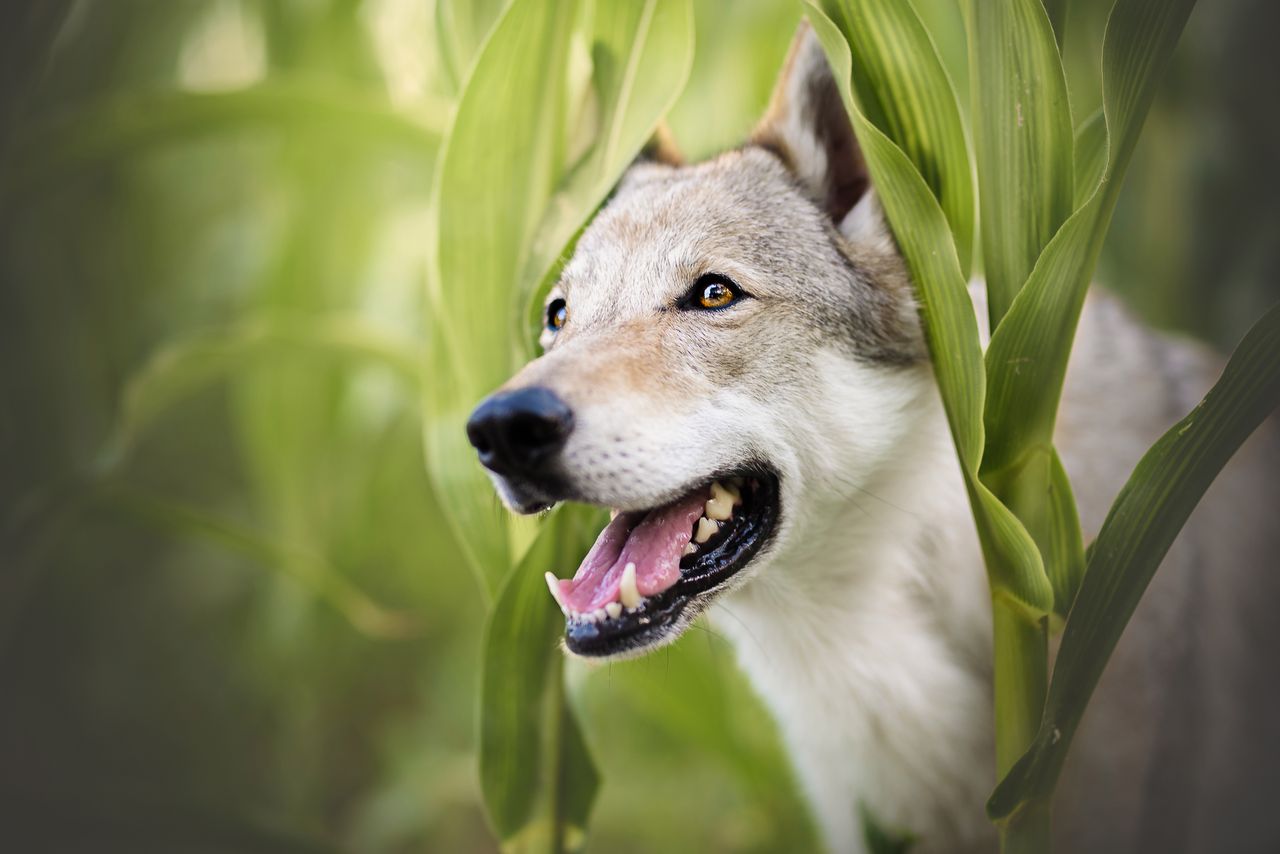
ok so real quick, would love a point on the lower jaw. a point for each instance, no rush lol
(663, 616)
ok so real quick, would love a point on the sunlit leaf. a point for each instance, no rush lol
(903, 89)
(461, 27)
(641, 53)
(492, 190)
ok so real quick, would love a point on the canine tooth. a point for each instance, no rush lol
(720, 504)
(614, 610)
(723, 491)
(690, 548)
(627, 590)
(553, 584)
(706, 530)
(613, 513)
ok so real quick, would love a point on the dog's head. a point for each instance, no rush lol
(723, 352)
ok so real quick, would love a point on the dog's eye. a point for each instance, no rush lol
(712, 291)
(557, 314)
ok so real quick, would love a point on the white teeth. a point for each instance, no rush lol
(706, 530)
(720, 504)
(689, 549)
(627, 590)
(613, 513)
(614, 610)
(553, 584)
(599, 614)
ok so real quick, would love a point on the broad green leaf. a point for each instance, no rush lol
(951, 328)
(903, 89)
(1022, 140)
(1057, 12)
(1038, 492)
(1063, 549)
(461, 26)
(1091, 155)
(1151, 509)
(532, 757)
(509, 203)
(492, 189)
(1027, 357)
(641, 54)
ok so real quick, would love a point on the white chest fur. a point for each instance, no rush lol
(868, 637)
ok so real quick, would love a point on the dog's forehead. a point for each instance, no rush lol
(666, 226)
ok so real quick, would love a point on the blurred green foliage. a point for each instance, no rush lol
(231, 616)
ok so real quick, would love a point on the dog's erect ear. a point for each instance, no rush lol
(661, 148)
(807, 127)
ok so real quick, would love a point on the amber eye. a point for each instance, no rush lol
(712, 291)
(557, 314)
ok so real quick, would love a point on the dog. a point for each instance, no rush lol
(734, 363)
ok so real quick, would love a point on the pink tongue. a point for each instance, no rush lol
(655, 546)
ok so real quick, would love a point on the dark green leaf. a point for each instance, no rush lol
(951, 329)
(1151, 509)
(531, 753)
(1022, 139)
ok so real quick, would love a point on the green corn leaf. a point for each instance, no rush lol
(1022, 140)
(641, 55)
(1151, 509)
(461, 27)
(509, 203)
(536, 775)
(1027, 357)
(951, 329)
(492, 189)
(903, 89)
(1057, 11)
(1039, 493)
(1063, 548)
(1091, 155)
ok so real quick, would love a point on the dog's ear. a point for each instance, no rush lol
(661, 148)
(807, 127)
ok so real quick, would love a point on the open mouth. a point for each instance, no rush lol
(648, 568)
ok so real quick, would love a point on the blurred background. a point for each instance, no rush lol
(231, 617)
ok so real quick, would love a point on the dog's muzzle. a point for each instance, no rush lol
(519, 434)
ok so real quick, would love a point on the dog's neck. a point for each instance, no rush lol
(869, 634)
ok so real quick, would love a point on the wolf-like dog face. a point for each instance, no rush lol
(724, 333)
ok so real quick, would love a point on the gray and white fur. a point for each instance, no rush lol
(865, 625)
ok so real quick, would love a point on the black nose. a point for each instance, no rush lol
(520, 431)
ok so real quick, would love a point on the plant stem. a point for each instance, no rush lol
(1021, 677)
